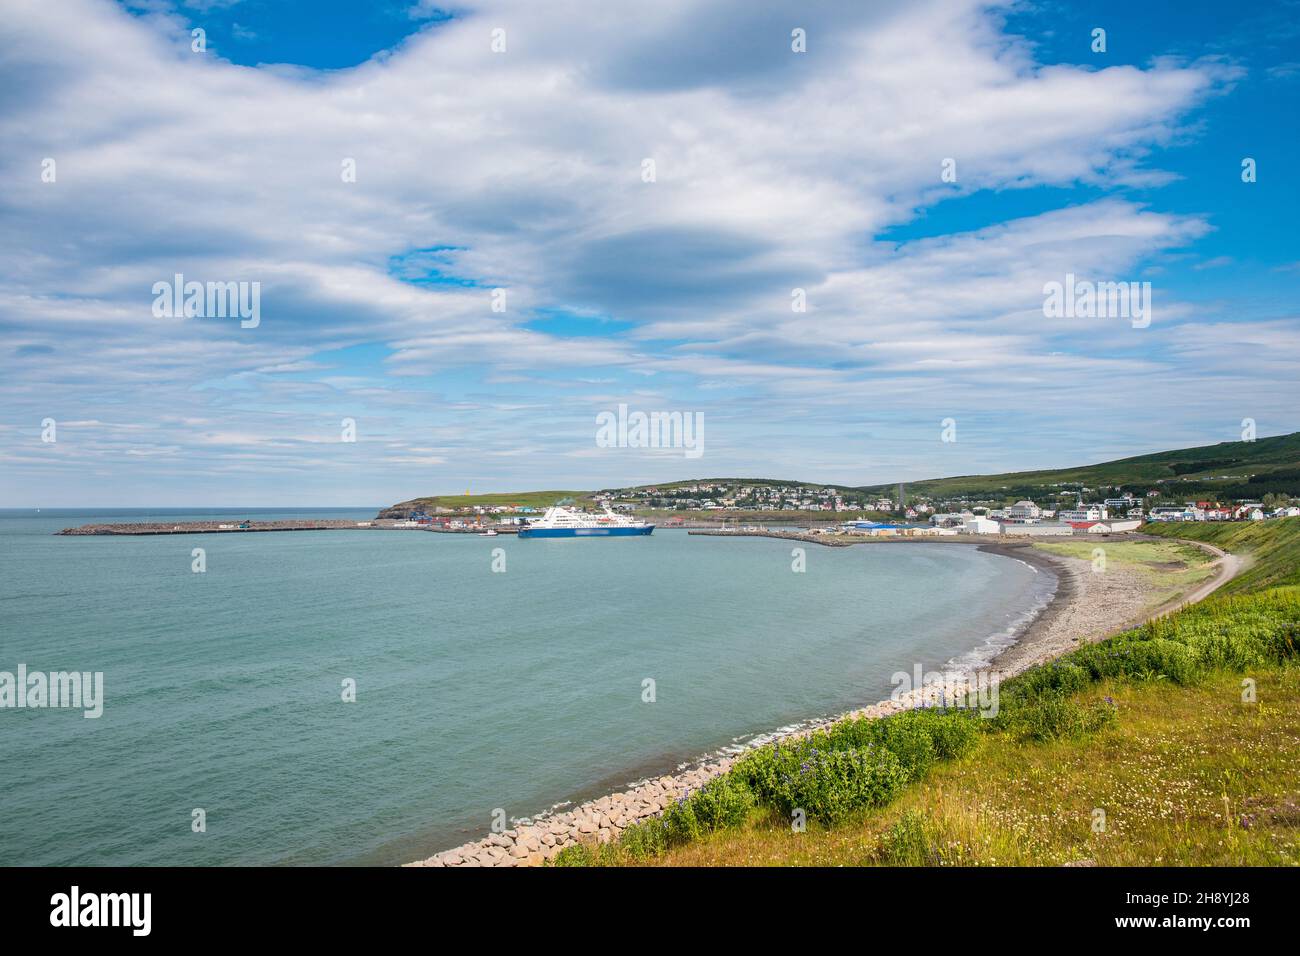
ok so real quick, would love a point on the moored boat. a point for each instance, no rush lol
(560, 522)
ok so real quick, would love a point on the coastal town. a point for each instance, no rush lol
(833, 509)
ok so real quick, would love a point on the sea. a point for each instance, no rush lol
(364, 697)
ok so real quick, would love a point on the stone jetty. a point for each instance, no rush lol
(227, 526)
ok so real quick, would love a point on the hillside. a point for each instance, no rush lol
(1226, 471)
(430, 504)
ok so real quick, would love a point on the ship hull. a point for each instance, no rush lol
(584, 532)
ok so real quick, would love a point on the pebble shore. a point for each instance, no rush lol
(534, 842)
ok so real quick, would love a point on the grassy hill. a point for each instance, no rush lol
(525, 499)
(1229, 469)
(1273, 547)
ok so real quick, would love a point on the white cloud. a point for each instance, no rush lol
(523, 170)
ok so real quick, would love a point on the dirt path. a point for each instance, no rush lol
(1227, 566)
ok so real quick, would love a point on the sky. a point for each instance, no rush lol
(459, 249)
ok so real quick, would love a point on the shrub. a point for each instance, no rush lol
(1059, 677)
(953, 733)
(1151, 659)
(644, 840)
(725, 801)
(825, 783)
(908, 842)
(577, 854)
(1053, 717)
(917, 737)
(831, 784)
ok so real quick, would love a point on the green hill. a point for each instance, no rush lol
(1226, 471)
(431, 504)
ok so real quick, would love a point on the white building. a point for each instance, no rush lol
(949, 519)
(1024, 511)
(1038, 530)
(974, 525)
(1084, 513)
(1119, 526)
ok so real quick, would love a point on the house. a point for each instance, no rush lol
(1024, 511)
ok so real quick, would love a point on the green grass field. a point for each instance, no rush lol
(1169, 568)
(1176, 776)
(1174, 743)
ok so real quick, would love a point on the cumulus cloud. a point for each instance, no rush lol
(522, 171)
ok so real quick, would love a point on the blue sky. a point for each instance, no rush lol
(521, 171)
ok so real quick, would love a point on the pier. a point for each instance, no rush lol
(250, 526)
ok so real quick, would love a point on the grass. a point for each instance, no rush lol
(1139, 750)
(1189, 467)
(1168, 568)
(1161, 774)
(524, 499)
(1273, 546)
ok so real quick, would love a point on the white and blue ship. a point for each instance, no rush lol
(561, 522)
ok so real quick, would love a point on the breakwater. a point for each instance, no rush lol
(245, 527)
(223, 527)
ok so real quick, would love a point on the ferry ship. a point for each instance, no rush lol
(561, 522)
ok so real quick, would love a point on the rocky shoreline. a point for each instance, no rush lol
(535, 841)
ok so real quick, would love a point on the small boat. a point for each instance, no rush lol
(489, 533)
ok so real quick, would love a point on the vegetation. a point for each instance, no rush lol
(1168, 568)
(1177, 742)
(524, 499)
(1264, 469)
(1227, 470)
(1273, 548)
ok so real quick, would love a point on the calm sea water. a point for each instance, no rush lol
(475, 689)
